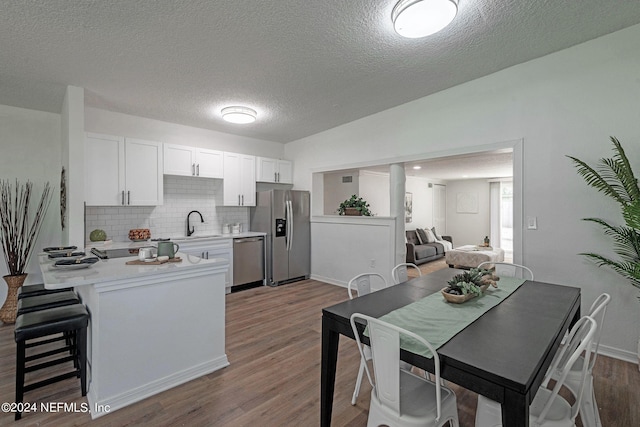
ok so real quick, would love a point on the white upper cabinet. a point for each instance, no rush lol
(190, 161)
(122, 171)
(104, 170)
(239, 186)
(179, 160)
(274, 170)
(209, 163)
(143, 172)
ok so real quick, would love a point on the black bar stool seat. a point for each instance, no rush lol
(39, 289)
(43, 302)
(65, 321)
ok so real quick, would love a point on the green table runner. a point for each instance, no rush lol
(437, 320)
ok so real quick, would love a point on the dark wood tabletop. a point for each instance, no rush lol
(503, 355)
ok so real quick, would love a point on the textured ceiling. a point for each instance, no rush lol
(487, 164)
(305, 66)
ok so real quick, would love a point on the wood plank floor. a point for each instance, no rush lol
(273, 344)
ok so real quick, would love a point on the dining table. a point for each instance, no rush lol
(504, 354)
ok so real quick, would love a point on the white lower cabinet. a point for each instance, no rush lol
(209, 249)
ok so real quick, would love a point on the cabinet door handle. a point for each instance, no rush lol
(239, 200)
(207, 254)
(128, 197)
(193, 169)
(275, 177)
(278, 176)
(243, 200)
(198, 169)
(122, 197)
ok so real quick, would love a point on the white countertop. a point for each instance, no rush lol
(116, 269)
(178, 239)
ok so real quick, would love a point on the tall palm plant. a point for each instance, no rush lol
(614, 177)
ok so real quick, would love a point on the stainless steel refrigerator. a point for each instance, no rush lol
(284, 215)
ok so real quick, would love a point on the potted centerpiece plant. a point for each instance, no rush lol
(354, 206)
(469, 284)
(19, 228)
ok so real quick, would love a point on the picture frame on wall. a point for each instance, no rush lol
(408, 207)
(467, 203)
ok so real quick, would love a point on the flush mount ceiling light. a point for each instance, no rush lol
(421, 18)
(240, 115)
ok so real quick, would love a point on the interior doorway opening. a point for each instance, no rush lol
(501, 203)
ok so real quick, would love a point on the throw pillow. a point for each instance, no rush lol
(431, 238)
(420, 242)
(438, 237)
(424, 237)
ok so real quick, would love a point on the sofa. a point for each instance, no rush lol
(419, 253)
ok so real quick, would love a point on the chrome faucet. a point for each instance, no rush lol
(191, 230)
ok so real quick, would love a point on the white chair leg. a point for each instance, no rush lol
(589, 413)
(358, 382)
(596, 411)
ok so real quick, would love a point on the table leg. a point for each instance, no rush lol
(515, 410)
(330, 340)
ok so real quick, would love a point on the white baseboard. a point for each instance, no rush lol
(616, 353)
(113, 403)
(328, 280)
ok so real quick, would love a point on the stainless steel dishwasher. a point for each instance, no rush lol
(248, 260)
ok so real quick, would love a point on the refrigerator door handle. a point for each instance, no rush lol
(290, 223)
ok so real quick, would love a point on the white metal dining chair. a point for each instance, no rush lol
(401, 398)
(400, 272)
(548, 408)
(589, 413)
(508, 269)
(362, 284)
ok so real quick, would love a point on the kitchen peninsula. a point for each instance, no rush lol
(152, 327)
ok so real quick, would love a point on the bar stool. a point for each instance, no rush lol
(36, 290)
(43, 302)
(69, 320)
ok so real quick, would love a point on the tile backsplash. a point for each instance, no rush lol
(181, 195)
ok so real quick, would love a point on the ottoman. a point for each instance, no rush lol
(471, 256)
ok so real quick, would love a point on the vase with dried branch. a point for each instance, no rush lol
(19, 228)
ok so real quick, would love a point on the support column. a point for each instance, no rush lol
(73, 162)
(397, 180)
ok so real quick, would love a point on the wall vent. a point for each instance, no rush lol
(347, 179)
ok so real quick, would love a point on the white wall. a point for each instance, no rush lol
(374, 188)
(569, 102)
(31, 150)
(336, 191)
(341, 262)
(102, 121)
(422, 197)
(468, 228)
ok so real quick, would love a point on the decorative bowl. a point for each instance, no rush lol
(139, 234)
(459, 299)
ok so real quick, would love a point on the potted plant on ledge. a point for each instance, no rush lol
(354, 206)
(18, 233)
